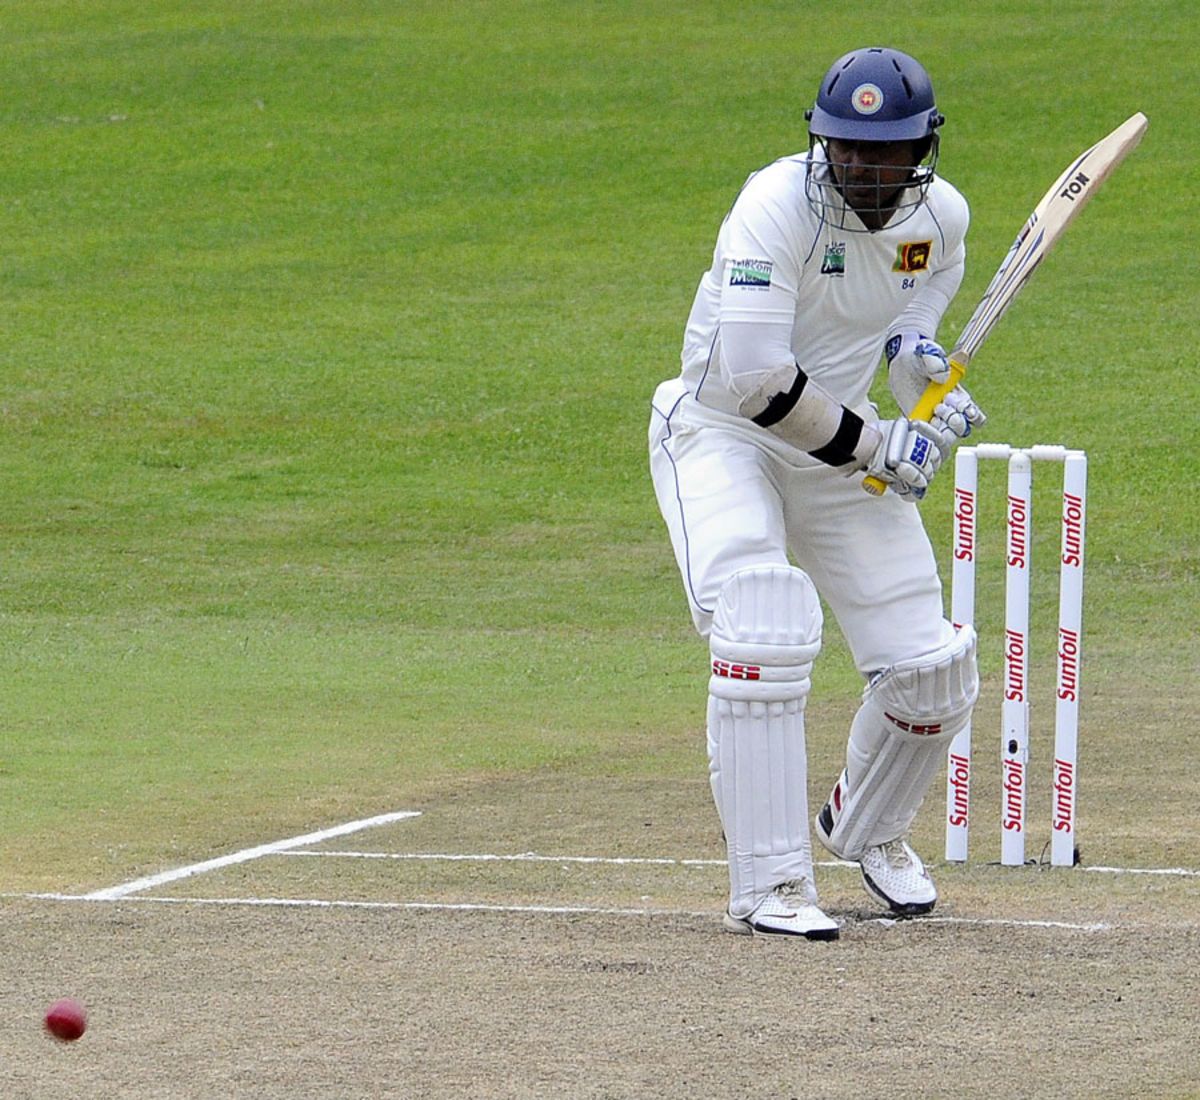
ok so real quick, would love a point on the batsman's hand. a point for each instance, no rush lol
(918, 355)
(955, 417)
(913, 362)
(907, 457)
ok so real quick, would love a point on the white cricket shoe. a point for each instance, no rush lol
(788, 910)
(892, 872)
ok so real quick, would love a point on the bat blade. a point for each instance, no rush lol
(1068, 195)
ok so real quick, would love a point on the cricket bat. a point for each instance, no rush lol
(1049, 220)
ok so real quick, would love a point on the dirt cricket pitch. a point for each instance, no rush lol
(530, 977)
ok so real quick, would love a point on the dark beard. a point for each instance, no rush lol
(871, 203)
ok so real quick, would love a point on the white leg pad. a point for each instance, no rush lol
(766, 633)
(897, 742)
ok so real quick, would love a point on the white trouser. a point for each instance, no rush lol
(733, 496)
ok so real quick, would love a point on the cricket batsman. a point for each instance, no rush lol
(827, 263)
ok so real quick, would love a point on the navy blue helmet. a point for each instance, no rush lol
(875, 94)
(871, 98)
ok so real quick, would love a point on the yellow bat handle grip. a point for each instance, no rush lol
(923, 410)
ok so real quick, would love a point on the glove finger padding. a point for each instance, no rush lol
(954, 418)
(963, 403)
(948, 422)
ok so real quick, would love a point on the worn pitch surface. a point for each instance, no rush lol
(387, 975)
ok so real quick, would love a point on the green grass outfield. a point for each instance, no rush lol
(329, 332)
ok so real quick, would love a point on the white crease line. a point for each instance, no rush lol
(560, 910)
(535, 857)
(520, 857)
(111, 893)
(1005, 922)
(322, 903)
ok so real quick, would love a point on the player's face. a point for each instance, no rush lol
(871, 174)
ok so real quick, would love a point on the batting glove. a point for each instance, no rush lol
(955, 417)
(913, 353)
(907, 457)
(909, 373)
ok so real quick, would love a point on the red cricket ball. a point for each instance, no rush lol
(66, 1019)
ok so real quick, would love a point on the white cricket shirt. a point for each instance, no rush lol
(778, 262)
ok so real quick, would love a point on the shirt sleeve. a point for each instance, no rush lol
(760, 277)
(760, 281)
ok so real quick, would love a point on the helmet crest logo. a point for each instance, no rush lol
(866, 99)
